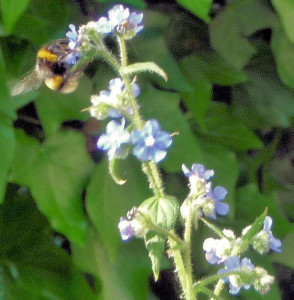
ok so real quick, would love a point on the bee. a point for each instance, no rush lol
(53, 68)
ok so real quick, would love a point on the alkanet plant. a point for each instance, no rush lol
(154, 220)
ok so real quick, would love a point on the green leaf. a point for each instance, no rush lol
(11, 10)
(198, 101)
(213, 67)
(54, 108)
(32, 267)
(150, 67)
(163, 211)
(55, 178)
(106, 201)
(264, 102)
(7, 147)
(240, 19)
(151, 47)
(155, 246)
(199, 8)
(255, 227)
(123, 277)
(162, 105)
(285, 10)
(283, 50)
(224, 129)
(43, 22)
(251, 202)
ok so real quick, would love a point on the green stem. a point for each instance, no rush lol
(149, 168)
(123, 52)
(189, 294)
(179, 264)
(169, 234)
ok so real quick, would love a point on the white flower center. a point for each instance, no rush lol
(149, 141)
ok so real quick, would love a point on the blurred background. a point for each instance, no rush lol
(229, 95)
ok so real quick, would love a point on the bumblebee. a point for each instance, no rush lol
(53, 68)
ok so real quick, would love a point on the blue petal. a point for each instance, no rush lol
(163, 140)
(152, 127)
(267, 225)
(232, 263)
(219, 193)
(157, 155)
(141, 153)
(222, 208)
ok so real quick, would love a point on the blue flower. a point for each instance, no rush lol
(115, 140)
(274, 243)
(72, 58)
(198, 170)
(233, 264)
(120, 21)
(110, 103)
(73, 37)
(216, 195)
(151, 142)
(125, 229)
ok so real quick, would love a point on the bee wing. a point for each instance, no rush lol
(30, 82)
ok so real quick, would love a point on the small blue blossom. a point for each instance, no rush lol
(218, 250)
(198, 170)
(274, 243)
(115, 140)
(121, 21)
(151, 142)
(216, 195)
(109, 103)
(125, 229)
(73, 37)
(232, 264)
(72, 58)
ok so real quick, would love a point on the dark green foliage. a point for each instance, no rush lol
(229, 96)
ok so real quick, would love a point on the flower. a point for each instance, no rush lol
(274, 243)
(120, 21)
(133, 225)
(198, 170)
(73, 37)
(151, 142)
(109, 103)
(218, 250)
(125, 229)
(198, 177)
(214, 198)
(72, 58)
(237, 281)
(263, 280)
(264, 240)
(115, 140)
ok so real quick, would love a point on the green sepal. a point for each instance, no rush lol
(254, 229)
(150, 67)
(114, 171)
(155, 246)
(162, 211)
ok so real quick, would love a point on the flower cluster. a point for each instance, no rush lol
(114, 102)
(119, 22)
(203, 199)
(264, 240)
(218, 250)
(132, 226)
(150, 143)
(246, 275)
